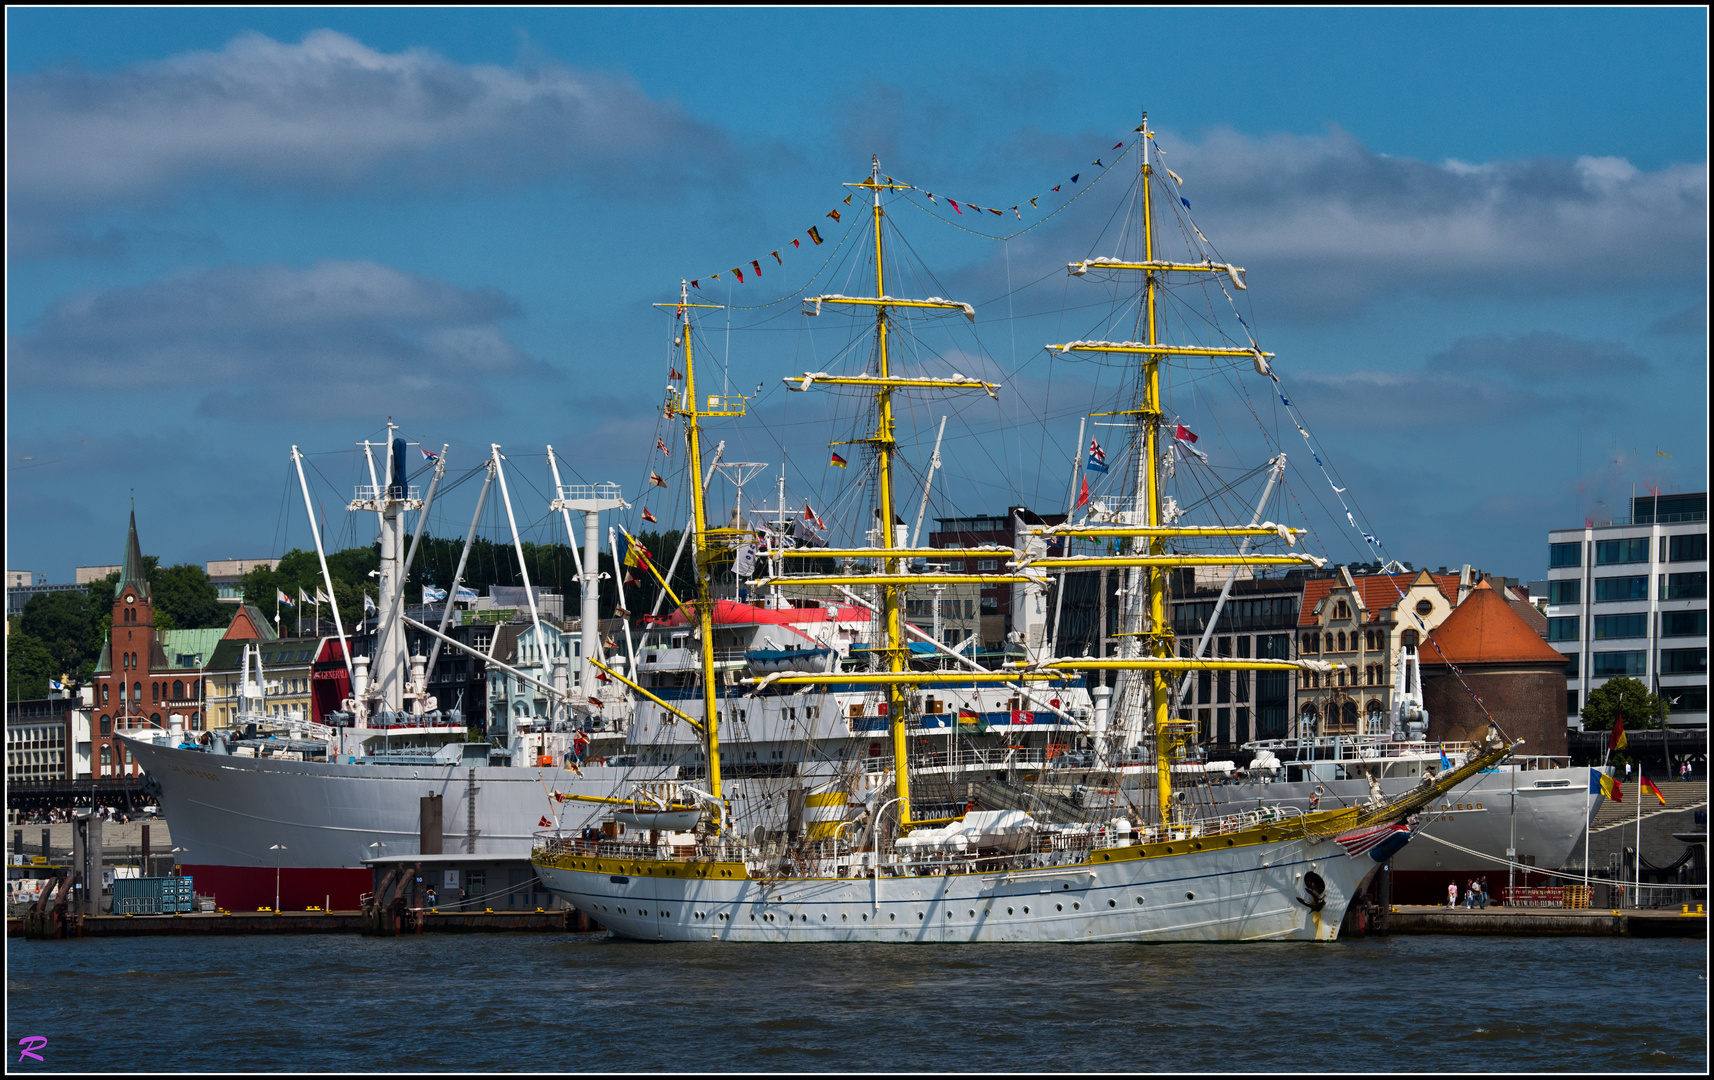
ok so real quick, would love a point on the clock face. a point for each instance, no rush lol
(129, 599)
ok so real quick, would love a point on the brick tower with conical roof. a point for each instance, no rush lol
(125, 695)
(1519, 677)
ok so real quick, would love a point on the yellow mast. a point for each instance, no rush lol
(693, 409)
(1169, 736)
(891, 580)
(892, 595)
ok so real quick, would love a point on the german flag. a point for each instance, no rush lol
(1648, 786)
(837, 460)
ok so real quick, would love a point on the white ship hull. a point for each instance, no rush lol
(227, 813)
(1247, 893)
(1552, 809)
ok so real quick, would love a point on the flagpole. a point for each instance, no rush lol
(1059, 594)
(1636, 893)
(1587, 793)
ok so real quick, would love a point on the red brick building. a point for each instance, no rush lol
(138, 682)
(1519, 677)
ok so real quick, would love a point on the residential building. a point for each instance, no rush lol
(89, 575)
(1259, 620)
(993, 602)
(1629, 597)
(1363, 622)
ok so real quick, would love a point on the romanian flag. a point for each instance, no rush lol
(837, 460)
(1648, 786)
(1616, 741)
(1610, 787)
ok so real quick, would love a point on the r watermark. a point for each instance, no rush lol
(29, 1044)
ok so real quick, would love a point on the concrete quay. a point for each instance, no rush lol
(1556, 922)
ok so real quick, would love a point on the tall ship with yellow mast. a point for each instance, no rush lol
(670, 863)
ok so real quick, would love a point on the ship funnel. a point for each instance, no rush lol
(359, 677)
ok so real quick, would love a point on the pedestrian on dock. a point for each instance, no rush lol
(1482, 892)
(463, 898)
(431, 897)
(1452, 894)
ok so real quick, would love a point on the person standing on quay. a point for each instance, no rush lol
(1452, 893)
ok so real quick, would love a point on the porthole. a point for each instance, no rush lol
(752, 918)
(891, 916)
(1008, 911)
(1067, 885)
(1112, 903)
(1026, 910)
(865, 918)
(972, 914)
(1059, 907)
(824, 918)
(1190, 896)
(919, 916)
(1077, 907)
(949, 914)
(1139, 901)
(842, 918)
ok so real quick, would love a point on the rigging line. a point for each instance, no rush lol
(794, 292)
(1096, 179)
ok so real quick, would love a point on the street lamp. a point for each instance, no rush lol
(277, 858)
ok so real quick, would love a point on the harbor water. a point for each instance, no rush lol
(585, 1003)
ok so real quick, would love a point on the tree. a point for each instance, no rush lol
(63, 623)
(186, 594)
(1629, 698)
(29, 666)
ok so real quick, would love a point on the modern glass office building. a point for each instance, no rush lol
(1629, 597)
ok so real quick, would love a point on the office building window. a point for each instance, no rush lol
(1571, 665)
(1615, 552)
(1565, 554)
(1684, 586)
(1683, 624)
(1621, 626)
(1686, 548)
(1571, 703)
(1613, 664)
(1564, 628)
(1242, 734)
(1684, 661)
(1685, 699)
(1611, 589)
(1564, 592)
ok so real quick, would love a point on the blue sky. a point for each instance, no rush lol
(1476, 241)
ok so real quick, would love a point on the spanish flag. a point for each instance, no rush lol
(837, 460)
(1616, 741)
(1648, 786)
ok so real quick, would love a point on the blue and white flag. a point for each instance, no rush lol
(55, 683)
(432, 595)
(1097, 458)
(464, 592)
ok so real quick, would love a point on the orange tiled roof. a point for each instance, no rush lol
(1485, 630)
(1379, 592)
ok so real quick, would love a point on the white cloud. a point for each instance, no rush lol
(333, 113)
(330, 340)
